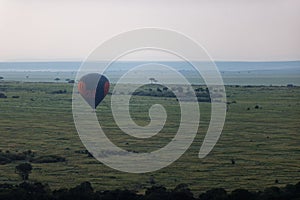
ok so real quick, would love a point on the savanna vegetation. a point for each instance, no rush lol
(259, 146)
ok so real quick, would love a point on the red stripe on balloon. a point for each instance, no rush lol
(106, 88)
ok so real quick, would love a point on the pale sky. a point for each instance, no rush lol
(253, 30)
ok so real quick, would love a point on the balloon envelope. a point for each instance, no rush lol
(93, 88)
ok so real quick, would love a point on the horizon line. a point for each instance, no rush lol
(77, 60)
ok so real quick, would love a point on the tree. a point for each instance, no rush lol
(24, 170)
(217, 193)
(1, 77)
(153, 80)
(2, 95)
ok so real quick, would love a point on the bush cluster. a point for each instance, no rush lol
(39, 191)
(59, 92)
(8, 157)
(2, 95)
(156, 90)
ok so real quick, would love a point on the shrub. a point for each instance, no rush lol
(48, 159)
(60, 91)
(2, 95)
(4, 160)
(258, 106)
(24, 170)
(241, 194)
(214, 194)
(8, 157)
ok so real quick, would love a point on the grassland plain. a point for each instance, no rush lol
(263, 142)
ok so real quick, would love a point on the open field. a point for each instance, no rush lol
(263, 142)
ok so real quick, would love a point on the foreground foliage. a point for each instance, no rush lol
(85, 191)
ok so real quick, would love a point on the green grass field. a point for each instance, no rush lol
(264, 142)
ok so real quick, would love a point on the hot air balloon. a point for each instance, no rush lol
(93, 88)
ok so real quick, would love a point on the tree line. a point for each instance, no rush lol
(38, 191)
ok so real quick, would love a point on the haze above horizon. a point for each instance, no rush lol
(235, 30)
